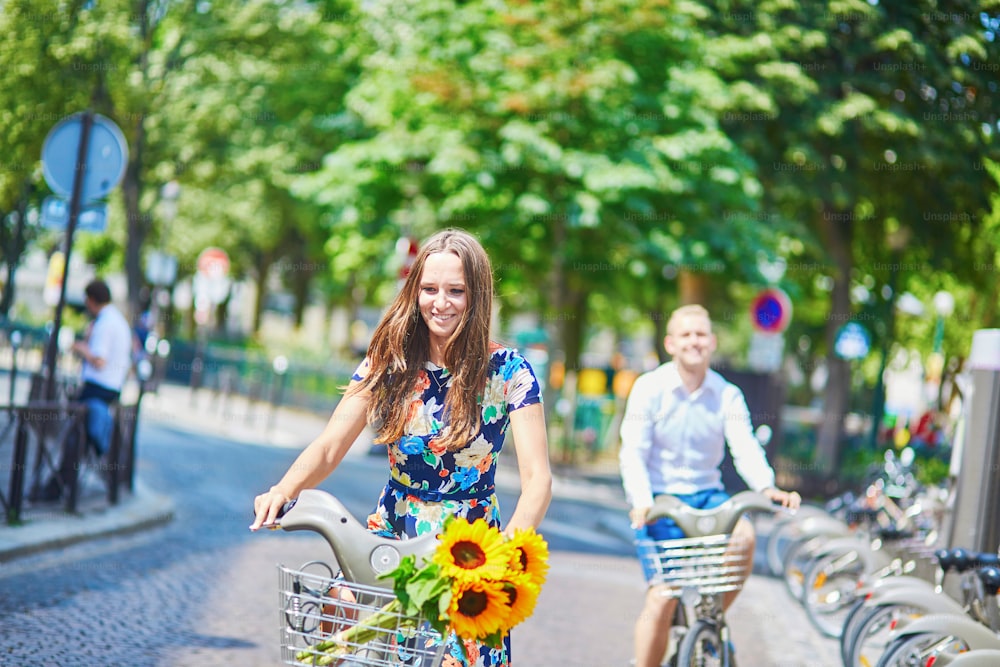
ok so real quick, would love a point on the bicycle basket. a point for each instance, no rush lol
(710, 564)
(324, 621)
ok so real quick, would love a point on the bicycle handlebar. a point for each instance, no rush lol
(361, 555)
(700, 522)
(961, 559)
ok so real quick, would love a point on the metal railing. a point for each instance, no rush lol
(46, 445)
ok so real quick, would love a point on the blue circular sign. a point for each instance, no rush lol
(107, 156)
(852, 341)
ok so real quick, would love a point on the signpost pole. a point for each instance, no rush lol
(75, 203)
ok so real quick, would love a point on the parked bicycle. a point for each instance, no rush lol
(319, 602)
(698, 570)
(934, 636)
(895, 601)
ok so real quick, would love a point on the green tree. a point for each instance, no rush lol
(580, 142)
(864, 118)
(43, 79)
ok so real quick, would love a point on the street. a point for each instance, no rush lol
(202, 590)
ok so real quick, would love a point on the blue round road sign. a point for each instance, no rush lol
(107, 155)
(852, 341)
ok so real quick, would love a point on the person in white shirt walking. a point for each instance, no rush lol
(678, 420)
(107, 360)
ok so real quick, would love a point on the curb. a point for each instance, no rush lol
(142, 509)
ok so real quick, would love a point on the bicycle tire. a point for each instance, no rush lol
(830, 588)
(854, 618)
(702, 646)
(873, 634)
(915, 650)
(785, 531)
(778, 540)
(797, 559)
(678, 629)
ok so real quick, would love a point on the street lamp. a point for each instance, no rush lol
(896, 240)
(944, 306)
(161, 267)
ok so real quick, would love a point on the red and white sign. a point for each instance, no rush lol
(213, 263)
(211, 281)
(771, 311)
(408, 248)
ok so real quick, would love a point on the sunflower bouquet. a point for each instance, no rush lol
(478, 584)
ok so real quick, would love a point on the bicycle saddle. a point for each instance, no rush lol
(361, 555)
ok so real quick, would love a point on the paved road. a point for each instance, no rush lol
(200, 591)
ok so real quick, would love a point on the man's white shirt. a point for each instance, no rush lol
(673, 441)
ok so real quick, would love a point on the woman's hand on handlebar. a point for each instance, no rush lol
(267, 508)
(789, 499)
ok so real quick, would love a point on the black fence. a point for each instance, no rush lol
(51, 464)
(238, 372)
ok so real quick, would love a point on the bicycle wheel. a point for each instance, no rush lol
(702, 646)
(785, 532)
(797, 560)
(917, 649)
(778, 540)
(874, 632)
(855, 616)
(830, 588)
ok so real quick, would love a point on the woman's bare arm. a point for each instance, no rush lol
(316, 461)
(531, 445)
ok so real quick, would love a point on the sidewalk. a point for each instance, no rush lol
(45, 527)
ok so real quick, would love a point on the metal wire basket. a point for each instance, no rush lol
(328, 621)
(711, 564)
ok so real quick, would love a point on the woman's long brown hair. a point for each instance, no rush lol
(400, 348)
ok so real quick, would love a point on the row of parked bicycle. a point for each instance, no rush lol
(873, 571)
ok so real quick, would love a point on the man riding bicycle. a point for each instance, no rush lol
(678, 419)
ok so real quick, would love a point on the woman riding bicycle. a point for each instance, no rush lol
(677, 421)
(441, 395)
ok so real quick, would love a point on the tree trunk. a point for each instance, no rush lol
(263, 274)
(13, 249)
(660, 317)
(300, 289)
(838, 232)
(137, 224)
(692, 288)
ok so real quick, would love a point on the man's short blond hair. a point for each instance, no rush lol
(692, 309)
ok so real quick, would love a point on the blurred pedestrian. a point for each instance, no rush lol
(678, 420)
(440, 396)
(106, 351)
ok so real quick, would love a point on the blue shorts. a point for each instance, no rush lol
(667, 529)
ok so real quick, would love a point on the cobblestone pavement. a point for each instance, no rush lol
(201, 590)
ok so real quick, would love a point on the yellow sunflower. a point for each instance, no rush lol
(530, 555)
(478, 608)
(472, 551)
(522, 594)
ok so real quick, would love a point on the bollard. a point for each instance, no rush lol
(15, 344)
(280, 367)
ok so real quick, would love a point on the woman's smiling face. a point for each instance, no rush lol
(443, 296)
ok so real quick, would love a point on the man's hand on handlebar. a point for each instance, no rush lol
(637, 516)
(267, 508)
(789, 499)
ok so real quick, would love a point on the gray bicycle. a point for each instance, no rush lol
(698, 570)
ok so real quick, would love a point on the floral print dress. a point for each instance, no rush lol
(416, 461)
